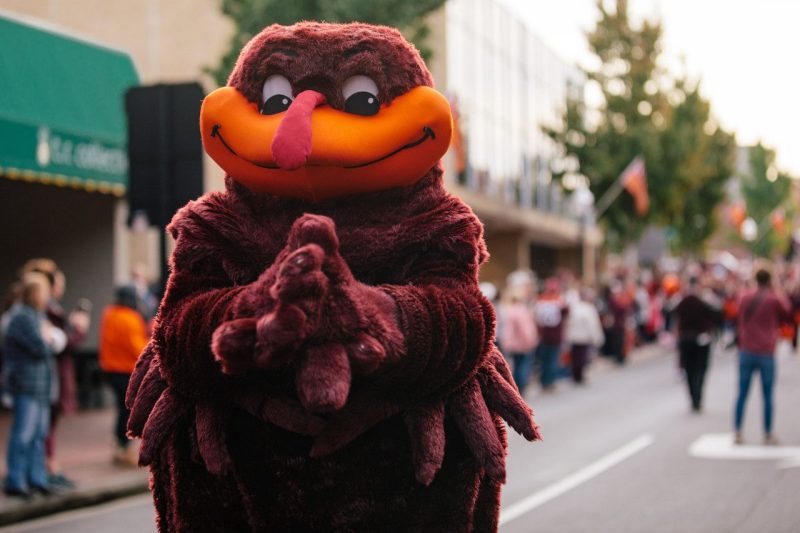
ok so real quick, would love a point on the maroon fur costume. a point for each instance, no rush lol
(326, 366)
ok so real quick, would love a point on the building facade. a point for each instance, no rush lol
(62, 194)
(505, 86)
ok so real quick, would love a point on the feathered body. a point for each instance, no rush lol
(326, 365)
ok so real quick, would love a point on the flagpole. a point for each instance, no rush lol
(608, 197)
(764, 221)
(614, 191)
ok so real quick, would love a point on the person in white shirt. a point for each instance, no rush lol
(583, 332)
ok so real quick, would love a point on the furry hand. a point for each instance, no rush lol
(317, 318)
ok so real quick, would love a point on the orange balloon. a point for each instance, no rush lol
(350, 153)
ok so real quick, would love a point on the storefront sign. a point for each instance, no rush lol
(43, 154)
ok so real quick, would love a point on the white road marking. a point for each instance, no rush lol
(721, 446)
(794, 462)
(573, 480)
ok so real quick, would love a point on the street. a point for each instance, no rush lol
(616, 457)
(643, 413)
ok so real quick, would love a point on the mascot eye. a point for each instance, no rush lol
(361, 96)
(276, 95)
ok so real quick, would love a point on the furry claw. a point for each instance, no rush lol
(366, 354)
(323, 378)
(210, 433)
(299, 276)
(477, 425)
(277, 332)
(148, 394)
(168, 410)
(500, 364)
(502, 398)
(140, 372)
(316, 229)
(425, 427)
(233, 343)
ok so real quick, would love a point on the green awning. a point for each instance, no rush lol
(62, 109)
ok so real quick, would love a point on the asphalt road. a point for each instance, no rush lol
(616, 458)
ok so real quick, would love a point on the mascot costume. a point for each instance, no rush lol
(322, 359)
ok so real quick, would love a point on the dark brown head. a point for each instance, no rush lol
(318, 110)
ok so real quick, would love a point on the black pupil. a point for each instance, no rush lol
(276, 104)
(362, 103)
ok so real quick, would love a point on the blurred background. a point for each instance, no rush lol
(618, 146)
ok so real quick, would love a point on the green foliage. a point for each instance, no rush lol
(698, 156)
(763, 196)
(251, 16)
(647, 112)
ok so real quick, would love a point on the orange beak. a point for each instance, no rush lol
(347, 154)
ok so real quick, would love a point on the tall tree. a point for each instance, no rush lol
(765, 189)
(251, 16)
(697, 161)
(644, 111)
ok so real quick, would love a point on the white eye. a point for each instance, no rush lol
(361, 96)
(276, 95)
(359, 84)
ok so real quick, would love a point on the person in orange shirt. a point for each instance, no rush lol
(123, 336)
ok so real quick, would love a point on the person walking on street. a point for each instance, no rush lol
(29, 377)
(619, 307)
(518, 337)
(123, 336)
(550, 311)
(583, 332)
(695, 320)
(760, 315)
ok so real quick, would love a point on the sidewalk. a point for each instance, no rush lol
(84, 451)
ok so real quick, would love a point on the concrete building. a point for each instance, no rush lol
(505, 84)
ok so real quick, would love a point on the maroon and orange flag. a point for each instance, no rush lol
(634, 179)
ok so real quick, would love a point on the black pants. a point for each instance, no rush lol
(579, 354)
(694, 360)
(616, 345)
(119, 384)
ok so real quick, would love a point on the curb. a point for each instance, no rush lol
(42, 506)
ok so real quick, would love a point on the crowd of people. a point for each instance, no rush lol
(556, 331)
(547, 329)
(38, 339)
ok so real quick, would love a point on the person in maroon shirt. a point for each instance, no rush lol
(550, 311)
(760, 315)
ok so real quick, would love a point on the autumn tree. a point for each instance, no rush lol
(646, 111)
(766, 190)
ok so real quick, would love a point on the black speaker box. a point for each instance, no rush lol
(165, 152)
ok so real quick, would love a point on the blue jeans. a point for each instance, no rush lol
(749, 363)
(26, 462)
(547, 354)
(523, 366)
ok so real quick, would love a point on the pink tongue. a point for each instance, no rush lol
(292, 143)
